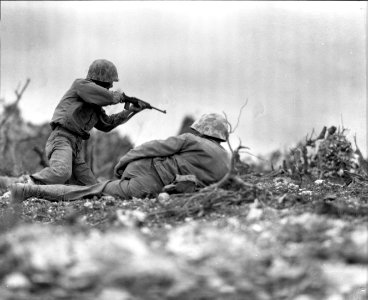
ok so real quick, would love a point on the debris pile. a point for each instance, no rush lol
(330, 155)
(334, 156)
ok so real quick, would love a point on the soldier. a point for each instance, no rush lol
(77, 113)
(146, 169)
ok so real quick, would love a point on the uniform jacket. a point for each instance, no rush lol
(184, 154)
(80, 109)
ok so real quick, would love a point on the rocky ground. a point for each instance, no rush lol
(279, 239)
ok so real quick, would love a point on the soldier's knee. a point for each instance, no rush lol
(61, 172)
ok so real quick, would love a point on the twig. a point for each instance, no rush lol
(240, 112)
(232, 130)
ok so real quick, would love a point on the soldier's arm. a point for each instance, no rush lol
(95, 94)
(156, 148)
(108, 122)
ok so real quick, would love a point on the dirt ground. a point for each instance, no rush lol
(280, 239)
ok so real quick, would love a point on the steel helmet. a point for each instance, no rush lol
(102, 70)
(213, 125)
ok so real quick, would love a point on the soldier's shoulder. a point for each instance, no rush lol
(80, 81)
(186, 135)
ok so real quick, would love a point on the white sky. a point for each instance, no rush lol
(301, 65)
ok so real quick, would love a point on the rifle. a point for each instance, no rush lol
(137, 103)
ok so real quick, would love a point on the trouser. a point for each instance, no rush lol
(63, 149)
(140, 179)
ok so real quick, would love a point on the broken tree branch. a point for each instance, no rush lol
(14, 105)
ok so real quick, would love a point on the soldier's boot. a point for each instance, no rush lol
(6, 182)
(20, 192)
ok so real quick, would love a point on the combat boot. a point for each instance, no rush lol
(20, 192)
(6, 181)
(53, 192)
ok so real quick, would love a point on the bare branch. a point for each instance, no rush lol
(15, 104)
(231, 174)
(230, 126)
(232, 130)
(240, 112)
(19, 94)
(230, 147)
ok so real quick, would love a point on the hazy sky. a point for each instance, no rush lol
(301, 65)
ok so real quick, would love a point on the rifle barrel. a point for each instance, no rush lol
(163, 111)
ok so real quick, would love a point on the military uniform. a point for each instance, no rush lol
(146, 169)
(78, 112)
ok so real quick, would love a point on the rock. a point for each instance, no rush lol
(255, 212)
(88, 204)
(114, 294)
(130, 218)
(108, 198)
(306, 193)
(5, 196)
(16, 281)
(344, 278)
(304, 297)
(163, 197)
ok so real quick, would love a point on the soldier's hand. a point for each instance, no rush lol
(139, 105)
(135, 109)
(119, 169)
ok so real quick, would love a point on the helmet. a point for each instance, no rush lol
(213, 125)
(102, 70)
